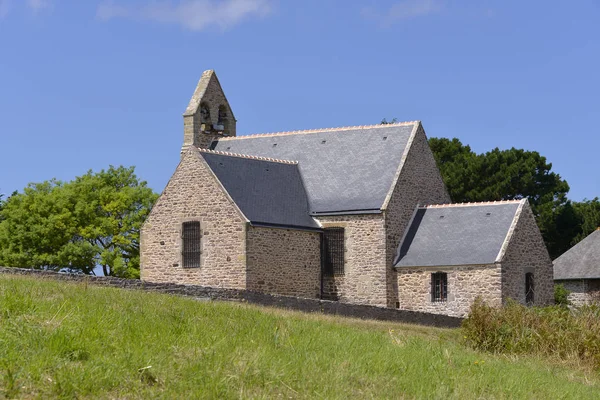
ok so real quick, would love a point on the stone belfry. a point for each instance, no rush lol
(208, 115)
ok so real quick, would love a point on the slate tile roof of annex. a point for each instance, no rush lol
(581, 261)
(456, 234)
(268, 192)
(343, 169)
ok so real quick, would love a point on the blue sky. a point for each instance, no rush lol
(87, 84)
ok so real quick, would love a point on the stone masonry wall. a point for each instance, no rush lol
(284, 261)
(578, 296)
(287, 302)
(583, 291)
(526, 252)
(363, 281)
(193, 193)
(208, 91)
(420, 182)
(465, 283)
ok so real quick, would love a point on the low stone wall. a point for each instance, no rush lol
(293, 303)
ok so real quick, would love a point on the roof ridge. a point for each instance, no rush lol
(469, 204)
(250, 157)
(335, 129)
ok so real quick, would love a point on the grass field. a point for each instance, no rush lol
(68, 340)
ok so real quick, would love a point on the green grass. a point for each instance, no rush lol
(67, 340)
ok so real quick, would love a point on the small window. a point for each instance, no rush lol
(204, 113)
(190, 244)
(439, 287)
(333, 251)
(223, 120)
(529, 288)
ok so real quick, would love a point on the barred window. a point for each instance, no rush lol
(190, 244)
(529, 288)
(333, 251)
(439, 287)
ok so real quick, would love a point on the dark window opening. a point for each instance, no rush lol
(223, 120)
(204, 113)
(190, 244)
(439, 287)
(529, 288)
(333, 251)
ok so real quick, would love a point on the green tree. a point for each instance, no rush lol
(92, 220)
(589, 212)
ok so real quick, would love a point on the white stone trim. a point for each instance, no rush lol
(480, 203)
(413, 134)
(250, 157)
(335, 129)
(511, 230)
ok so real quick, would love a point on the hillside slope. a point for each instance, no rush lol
(69, 340)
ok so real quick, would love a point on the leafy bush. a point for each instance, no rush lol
(552, 331)
(561, 295)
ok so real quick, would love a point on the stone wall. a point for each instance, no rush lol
(419, 183)
(465, 283)
(208, 91)
(578, 296)
(283, 261)
(526, 252)
(363, 281)
(194, 193)
(583, 291)
(293, 303)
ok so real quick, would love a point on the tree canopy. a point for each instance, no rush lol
(94, 220)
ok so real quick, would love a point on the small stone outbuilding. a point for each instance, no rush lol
(453, 253)
(578, 270)
(340, 214)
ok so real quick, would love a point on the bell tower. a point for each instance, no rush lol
(208, 115)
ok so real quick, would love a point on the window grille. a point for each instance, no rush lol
(439, 287)
(190, 240)
(529, 288)
(333, 251)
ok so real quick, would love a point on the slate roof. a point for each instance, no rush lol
(456, 234)
(267, 192)
(581, 261)
(344, 170)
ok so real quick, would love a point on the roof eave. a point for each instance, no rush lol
(396, 266)
(576, 279)
(345, 212)
(285, 226)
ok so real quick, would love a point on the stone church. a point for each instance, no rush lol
(355, 214)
